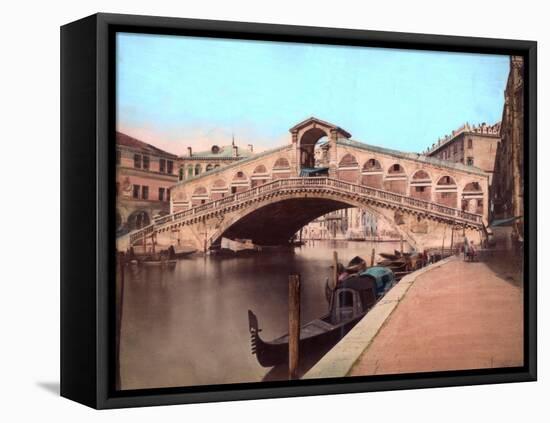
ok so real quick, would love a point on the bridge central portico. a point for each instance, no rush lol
(265, 198)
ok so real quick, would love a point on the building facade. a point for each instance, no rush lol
(195, 163)
(507, 189)
(471, 145)
(144, 177)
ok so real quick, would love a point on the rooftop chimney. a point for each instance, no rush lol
(189, 151)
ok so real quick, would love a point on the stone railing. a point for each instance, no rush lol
(313, 183)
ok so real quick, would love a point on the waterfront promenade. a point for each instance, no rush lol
(454, 315)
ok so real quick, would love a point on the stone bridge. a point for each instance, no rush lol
(270, 196)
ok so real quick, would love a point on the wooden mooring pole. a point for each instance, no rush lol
(334, 269)
(293, 325)
(372, 257)
(401, 245)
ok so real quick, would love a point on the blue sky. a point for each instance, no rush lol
(175, 91)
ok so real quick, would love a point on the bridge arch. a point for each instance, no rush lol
(372, 174)
(421, 185)
(395, 179)
(446, 191)
(307, 145)
(348, 168)
(276, 220)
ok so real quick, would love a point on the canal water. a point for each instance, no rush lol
(188, 325)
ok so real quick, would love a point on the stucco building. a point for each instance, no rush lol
(144, 176)
(195, 163)
(472, 145)
(507, 189)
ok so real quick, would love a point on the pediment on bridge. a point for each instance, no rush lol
(314, 122)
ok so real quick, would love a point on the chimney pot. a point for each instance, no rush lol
(190, 151)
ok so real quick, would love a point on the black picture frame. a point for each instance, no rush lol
(88, 195)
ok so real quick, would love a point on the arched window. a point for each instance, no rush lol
(421, 186)
(198, 169)
(281, 169)
(348, 160)
(209, 167)
(446, 192)
(259, 176)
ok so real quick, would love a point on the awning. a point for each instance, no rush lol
(313, 171)
(505, 222)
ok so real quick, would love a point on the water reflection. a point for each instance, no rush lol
(188, 325)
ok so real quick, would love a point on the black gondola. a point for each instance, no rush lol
(350, 301)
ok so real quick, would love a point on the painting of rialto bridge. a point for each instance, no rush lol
(269, 196)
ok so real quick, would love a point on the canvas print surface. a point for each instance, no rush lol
(301, 211)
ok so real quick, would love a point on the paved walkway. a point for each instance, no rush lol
(454, 317)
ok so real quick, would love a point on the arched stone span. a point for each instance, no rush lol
(275, 221)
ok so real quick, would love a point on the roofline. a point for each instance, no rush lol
(323, 122)
(235, 163)
(451, 140)
(413, 156)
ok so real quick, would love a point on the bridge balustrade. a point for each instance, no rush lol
(309, 182)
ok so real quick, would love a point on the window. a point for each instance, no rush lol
(145, 192)
(240, 174)
(197, 169)
(146, 162)
(137, 161)
(181, 174)
(420, 189)
(135, 192)
(470, 161)
(118, 154)
(233, 190)
(396, 168)
(470, 143)
(190, 172)
(162, 165)
(170, 166)
(167, 194)
(345, 299)
(161, 194)
(480, 202)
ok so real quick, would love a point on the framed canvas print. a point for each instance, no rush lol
(256, 211)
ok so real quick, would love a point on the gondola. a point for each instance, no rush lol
(356, 265)
(388, 256)
(349, 303)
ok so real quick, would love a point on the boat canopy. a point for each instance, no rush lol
(313, 171)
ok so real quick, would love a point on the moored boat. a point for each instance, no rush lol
(350, 301)
(238, 245)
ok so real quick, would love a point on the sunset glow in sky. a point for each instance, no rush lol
(175, 91)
